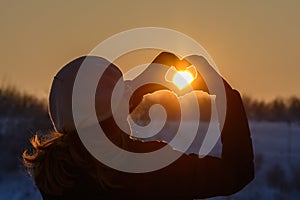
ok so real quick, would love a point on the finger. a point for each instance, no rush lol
(170, 59)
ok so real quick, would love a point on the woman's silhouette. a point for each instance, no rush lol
(64, 169)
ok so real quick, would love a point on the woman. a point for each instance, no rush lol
(64, 169)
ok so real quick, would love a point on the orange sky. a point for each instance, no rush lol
(254, 43)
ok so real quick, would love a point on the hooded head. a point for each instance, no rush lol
(60, 99)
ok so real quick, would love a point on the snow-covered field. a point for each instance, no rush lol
(277, 158)
(277, 162)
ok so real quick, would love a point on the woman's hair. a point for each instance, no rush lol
(58, 160)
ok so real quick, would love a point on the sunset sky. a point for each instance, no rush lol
(255, 44)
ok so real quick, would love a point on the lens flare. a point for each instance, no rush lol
(182, 78)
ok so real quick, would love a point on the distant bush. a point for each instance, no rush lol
(259, 161)
(277, 110)
(276, 177)
(287, 185)
(15, 103)
(296, 177)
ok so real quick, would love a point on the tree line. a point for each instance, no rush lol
(277, 110)
(15, 103)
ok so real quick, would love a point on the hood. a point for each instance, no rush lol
(60, 98)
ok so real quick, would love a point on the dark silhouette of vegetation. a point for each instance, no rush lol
(276, 177)
(15, 103)
(277, 110)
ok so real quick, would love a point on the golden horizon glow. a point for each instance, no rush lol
(48, 46)
(182, 78)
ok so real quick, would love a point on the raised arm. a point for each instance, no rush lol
(235, 169)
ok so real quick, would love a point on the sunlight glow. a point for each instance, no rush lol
(182, 78)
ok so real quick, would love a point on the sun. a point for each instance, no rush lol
(182, 78)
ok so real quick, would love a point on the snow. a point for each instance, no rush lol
(18, 186)
(276, 147)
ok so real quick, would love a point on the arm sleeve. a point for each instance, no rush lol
(235, 169)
